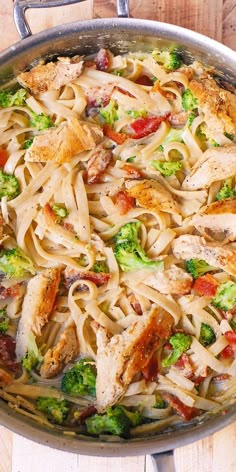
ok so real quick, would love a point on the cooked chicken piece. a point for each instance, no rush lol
(37, 305)
(50, 76)
(98, 163)
(190, 247)
(63, 142)
(63, 352)
(5, 378)
(215, 164)
(218, 105)
(218, 220)
(72, 275)
(179, 119)
(152, 195)
(121, 357)
(174, 280)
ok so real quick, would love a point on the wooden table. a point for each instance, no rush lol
(217, 19)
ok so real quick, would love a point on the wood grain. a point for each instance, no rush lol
(214, 18)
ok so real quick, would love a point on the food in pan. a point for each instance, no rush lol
(118, 256)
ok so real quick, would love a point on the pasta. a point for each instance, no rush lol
(112, 291)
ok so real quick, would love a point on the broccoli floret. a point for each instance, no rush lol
(207, 335)
(181, 342)
(33, 356)
(56, 410)
(160, 403)
(109, 113)
(118, 72)
(9, 186)
(4, 321)
(167, 168)
(189, 102)
(135, 416)
(170, 60)
(128, 252)
(80, 379)
(14, 263)
(100, 266)
(229, 136)
(225, 297)
(131, 159)
(40, 121)
(191, 117)
(28, 143)
(137, 113)
(9, 98)
(198, 267)
(227, 191)
(60, 211)
(117, 420)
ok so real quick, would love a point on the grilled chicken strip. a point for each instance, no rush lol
(172, 281)
(152, 195)
(219, 218)
(63, 352)
(121, 357)
(63, 142)
(188, 247)
(38, 303)
(215, 164)
(50, 76)
(218, 105)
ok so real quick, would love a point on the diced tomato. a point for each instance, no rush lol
(125, 92)
(133, 172)
(119, 138)
(124, 202)
(144, 126)
(3, 157)
(206, 285)
(144, 80)
(187, 412)
(227, 352)
(102, 59)
(231, 337)
(150, 371)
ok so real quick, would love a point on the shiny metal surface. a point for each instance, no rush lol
(123, 8)
(120, 35)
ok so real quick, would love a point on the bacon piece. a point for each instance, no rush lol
(119, 138)
(98, 97)
(8, 353)
(125, 92)
(179, 119)
(183, 364)
(144, 80)
(102, 59)
(150, 371)
(72, 275)
(144, 126)
(206, 285)
(3, 157)
(124, 202)
(49, 215)
(89, 411)
(133, 172)
(14, 292)
(90, 64)
(97, 164)
(187, 412)
(135, 304)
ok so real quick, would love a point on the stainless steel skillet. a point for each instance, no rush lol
(120, 35)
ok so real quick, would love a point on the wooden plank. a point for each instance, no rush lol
(5, 449)
(229, 23)
(198, 15)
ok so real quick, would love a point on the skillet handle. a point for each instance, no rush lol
(20, 7)
(163, 462)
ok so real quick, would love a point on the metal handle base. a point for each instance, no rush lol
(163, 462)
(20, 7)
